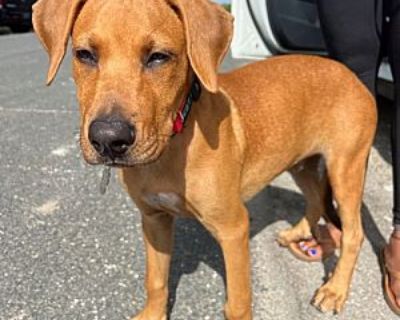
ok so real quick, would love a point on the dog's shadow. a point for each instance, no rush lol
(194, 245)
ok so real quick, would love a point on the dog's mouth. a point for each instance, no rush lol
(138, 156)
(116, 163)
(126, 163)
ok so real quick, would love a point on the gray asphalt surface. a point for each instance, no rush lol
(68, 253)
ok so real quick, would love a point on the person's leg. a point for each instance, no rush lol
(394, 58)
(393, 249)
(351, 32)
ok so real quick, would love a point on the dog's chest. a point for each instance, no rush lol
(167, 201)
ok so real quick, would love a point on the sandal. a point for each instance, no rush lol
(307, 250)
(387, 272)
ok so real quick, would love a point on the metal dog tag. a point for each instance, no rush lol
(105, 180)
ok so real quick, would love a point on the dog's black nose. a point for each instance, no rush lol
(111, 137)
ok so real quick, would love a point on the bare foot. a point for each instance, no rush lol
(326, 240)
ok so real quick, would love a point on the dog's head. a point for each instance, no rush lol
(132, 63)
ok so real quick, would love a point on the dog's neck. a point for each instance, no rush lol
(192, 94)
(208, 118)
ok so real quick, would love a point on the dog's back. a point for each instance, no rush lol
(298, 106)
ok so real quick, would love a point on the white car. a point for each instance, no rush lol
(269, 27)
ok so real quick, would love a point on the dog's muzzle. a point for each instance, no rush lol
(111, 137)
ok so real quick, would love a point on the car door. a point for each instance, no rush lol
(269, 27)
(281, 25)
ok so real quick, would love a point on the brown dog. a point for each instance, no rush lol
(135, 65)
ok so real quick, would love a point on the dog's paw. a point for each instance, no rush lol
(299, 232)
(288, 236)
(146, 315)
(330, 298)
(284, 237)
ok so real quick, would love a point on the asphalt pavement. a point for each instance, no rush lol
(68, 253)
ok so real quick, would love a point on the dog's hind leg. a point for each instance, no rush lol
(346, 170)
(311, 177)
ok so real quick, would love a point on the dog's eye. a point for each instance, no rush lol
(156, 59)
(86, 57)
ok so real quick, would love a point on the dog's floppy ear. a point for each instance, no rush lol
(53, 21)
(208, 29)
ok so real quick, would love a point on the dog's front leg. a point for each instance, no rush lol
(158, 236)
(231, 229)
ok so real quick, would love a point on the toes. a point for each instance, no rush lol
(314, 252)
(339, 306)
(310, 248)
(329, 299)
(308, 244)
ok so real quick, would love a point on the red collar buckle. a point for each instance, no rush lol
(178, 123)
